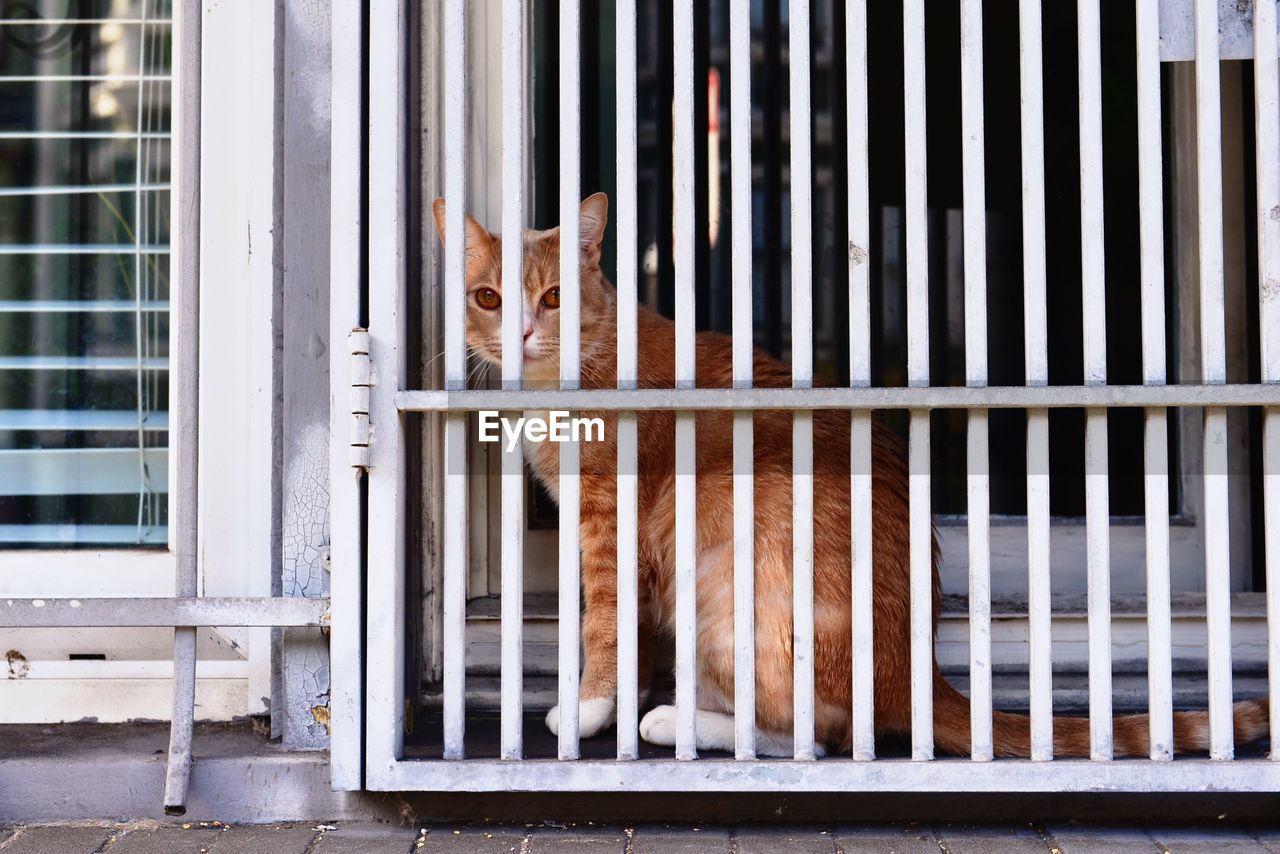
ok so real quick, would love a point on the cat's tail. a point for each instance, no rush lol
(1071, 734)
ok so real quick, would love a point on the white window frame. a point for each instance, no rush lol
(237, 477)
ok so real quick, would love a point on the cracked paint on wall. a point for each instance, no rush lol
(305, 84)
(305, 517)
(305, 573)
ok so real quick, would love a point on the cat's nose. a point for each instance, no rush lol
(527, 333)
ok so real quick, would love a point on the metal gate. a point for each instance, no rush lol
(373, 53)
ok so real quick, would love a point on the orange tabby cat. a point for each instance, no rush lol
(831, 565)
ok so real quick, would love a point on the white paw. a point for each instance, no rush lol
(594, 717)
(659, 726)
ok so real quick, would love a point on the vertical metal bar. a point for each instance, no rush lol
(513, 310)
(802, 579)
(1031, 90)
(917, 227)
(570, 340)
(744, 610)
(185, 378)
(1217, 582)
(975, 361)
(1214, 365)
(628, 454)
(1271, 522)
(921, 521)
(455, 373)
(686, 554)
(1092, 253)
(346, 518)
(385, 588)
(1098, 557)
(864, 741)
(1156, 442)
(744, 620)
(801, 377)
(628, 595)
(1266, 72)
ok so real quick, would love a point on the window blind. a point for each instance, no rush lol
(85, 100)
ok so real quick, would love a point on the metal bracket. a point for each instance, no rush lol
(361, 380)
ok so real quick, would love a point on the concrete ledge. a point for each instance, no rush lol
(239, 790)
(115, 772)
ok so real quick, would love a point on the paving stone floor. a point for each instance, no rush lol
(358, 838)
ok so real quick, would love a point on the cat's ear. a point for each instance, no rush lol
(479, 241)
(593, 216)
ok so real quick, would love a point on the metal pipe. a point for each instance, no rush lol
(570, 341)
(1213, 359)
(513, 314)
(628, 508)
(856, 398)
(1093, 281)
(686, 553)
(973, 166)
(1266, 71)
(801, 377)
(744, 611)
(1154, 353)
(187, 31)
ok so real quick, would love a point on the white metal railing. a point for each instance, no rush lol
(1267, 103)
(1156, 439)
(386, 765)
(1036, 332)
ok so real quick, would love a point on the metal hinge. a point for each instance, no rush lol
(361, 379)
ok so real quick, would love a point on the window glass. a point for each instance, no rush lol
(85, 100)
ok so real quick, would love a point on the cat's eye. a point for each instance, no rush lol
(551, 299)
(487, 298)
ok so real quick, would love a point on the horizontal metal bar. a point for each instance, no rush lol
(81, 249)
(154, 612)
(81, 189)
(936, 397)
(67, 306)
(829, 775)
(82, 363)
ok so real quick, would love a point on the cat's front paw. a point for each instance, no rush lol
(659, 726)
(594, 717)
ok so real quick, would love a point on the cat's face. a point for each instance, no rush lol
(486, 300)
